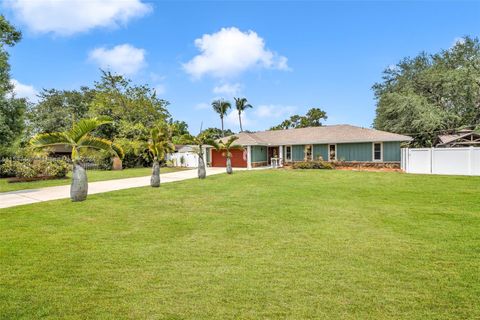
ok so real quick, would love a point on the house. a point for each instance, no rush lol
(184, 156)
(331, 143)
(463, 138)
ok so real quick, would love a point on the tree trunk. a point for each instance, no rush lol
(79, 187)
(229, 166)
(202, 173)
(155, 179)
(240, 120)
(223, 131)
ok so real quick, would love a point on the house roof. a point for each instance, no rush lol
(184, 148)
(459, 137)
(343, 133)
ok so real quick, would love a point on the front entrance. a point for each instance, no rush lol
(332, 152)
(273, 152)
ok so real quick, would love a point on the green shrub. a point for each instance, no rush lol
(36, 168)
(313, 165)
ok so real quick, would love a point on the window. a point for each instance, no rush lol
(377, 152)
(332, 152)
(288, 153)
(308, 152)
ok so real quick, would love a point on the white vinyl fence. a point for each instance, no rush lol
(453, 161)
(190, 159)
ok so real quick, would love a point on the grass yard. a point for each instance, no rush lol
(93, 175)
(281, 244)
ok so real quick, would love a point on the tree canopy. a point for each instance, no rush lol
(313, 118)
(431, 94)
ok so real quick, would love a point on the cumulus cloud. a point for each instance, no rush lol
(124, 59)
(274, 111)
(229, 89)
(232, 119)
(230, 52)
(24, 91)
(66, 17)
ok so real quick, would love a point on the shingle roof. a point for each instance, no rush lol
(315, 135)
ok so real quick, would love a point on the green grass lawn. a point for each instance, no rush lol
(280, 244)
(93, 175)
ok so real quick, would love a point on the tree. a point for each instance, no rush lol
(159, 145)
(78, 138)
(312, 118)
(431, 94)
(241, 104)
(200, 141)
(215, 133)
(221, 107)
(180, 133)
(226, 146)
(12, 110)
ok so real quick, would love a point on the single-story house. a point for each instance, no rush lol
(463, 138)
(330, 143)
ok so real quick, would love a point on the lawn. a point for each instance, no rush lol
(93, 175)
(283, 244)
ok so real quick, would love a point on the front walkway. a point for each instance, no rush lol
(16, 198)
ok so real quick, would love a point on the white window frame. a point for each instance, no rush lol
(381, 151)
(286, 153)
(328, 151)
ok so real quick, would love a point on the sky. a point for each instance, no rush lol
(285, 57)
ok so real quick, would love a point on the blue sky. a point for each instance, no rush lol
(285, 57)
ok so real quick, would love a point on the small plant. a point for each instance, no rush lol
(182, 161)
(313, 165)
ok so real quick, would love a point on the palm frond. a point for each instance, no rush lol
(95, 143)
(45, 140)
(118, 150)
(85, 126)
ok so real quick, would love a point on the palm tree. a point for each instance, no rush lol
(158, 145)
(226, 146)
(221, 107)
(241, 104)
(78, 138)
(200, 141)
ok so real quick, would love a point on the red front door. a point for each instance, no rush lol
(239, 158)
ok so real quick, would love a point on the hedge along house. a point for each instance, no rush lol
(331, 143)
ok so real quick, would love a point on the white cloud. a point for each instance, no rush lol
(232, 120)
(24, 91)
(160, 89)
(230, 52)
(274, 111)
(66, 17)
(229, 89)
(124, 59)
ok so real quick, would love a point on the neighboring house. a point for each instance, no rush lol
(190, 158)
(464, 138)
(332, 143)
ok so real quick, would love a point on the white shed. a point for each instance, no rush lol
(184, 157)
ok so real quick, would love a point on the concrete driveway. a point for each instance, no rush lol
(17, 198)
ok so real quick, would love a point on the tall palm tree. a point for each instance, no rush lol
(226, 146)
(159, 145)
(221, 107)
(241, 104)
(78, 138)
(200, 142)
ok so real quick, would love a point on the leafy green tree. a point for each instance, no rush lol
(159, 145)
(180, 133)
(78, 138)
(12, 110)
(241, 104)
(313, 118)
(225, 146)
(215, 133)
(221, 107)
(431, 94)
(56, 110)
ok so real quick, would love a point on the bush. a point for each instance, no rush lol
(34, 168)
(312, 165)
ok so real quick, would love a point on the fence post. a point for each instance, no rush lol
(431, 160)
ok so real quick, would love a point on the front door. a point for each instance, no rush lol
(273, 152)
(332, 152)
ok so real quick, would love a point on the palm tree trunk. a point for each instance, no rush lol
(202, 173)
(223, 131)
(79, 187)
(155, 179)
(229, 166)
(240, 120)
